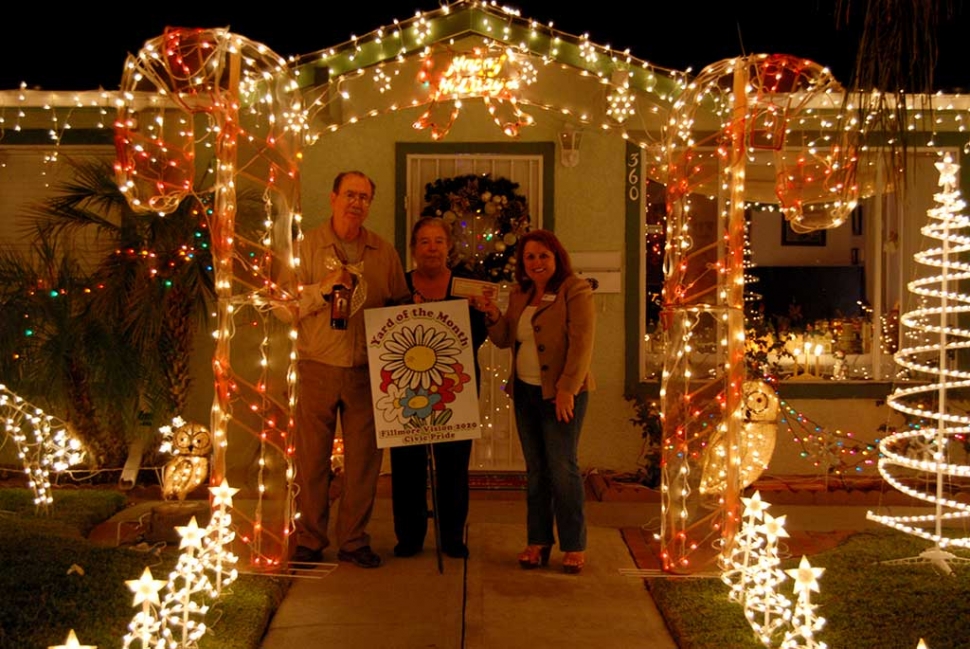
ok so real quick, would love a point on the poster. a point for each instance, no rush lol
(422, 373)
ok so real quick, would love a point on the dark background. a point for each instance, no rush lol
(80, 46)
(832, 292)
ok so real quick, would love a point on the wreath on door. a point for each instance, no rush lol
(487, 217)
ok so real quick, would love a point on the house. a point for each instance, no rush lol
(589, 134)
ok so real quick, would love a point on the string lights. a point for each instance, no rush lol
(751, 568)
(257, 111)
(255, 123)
(928, 452)
(838, 452)
(756, 99)
(43, 444)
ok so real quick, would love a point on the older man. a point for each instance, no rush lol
(332, 376)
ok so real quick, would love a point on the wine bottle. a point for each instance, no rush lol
(339, 307)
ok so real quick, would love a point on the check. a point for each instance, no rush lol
(464, 287)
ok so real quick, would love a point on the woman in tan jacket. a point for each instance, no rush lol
(550, 323)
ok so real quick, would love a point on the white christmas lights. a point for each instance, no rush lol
(751, 568)
(929, 451)
(44, 444)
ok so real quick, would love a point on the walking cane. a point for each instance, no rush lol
(434, 508)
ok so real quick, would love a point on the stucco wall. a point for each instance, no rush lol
(589, 212)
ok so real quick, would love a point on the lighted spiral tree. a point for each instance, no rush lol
(753, 101)
(927, 453)
(239, 104)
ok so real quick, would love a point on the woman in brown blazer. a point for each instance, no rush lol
(550, 323)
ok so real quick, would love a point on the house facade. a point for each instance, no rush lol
(587, 134)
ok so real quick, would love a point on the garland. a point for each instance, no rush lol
(486, 216)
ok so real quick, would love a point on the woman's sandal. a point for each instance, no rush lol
(573, 562)
(534, 556)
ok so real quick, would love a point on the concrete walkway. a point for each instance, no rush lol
(486, 602)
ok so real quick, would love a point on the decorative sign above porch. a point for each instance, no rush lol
(494, 73)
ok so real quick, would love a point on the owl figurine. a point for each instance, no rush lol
(759, 407)
(191, 446)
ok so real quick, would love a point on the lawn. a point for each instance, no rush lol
(54, 580)
(867, 603)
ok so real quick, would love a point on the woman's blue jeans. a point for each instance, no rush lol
(555, 486)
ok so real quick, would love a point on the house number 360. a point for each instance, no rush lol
(633, 177)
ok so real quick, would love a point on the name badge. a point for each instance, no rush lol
(549, 297)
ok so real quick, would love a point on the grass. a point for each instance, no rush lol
(866, 602)
(53, 580)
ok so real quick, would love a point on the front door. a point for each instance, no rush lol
(498, 449)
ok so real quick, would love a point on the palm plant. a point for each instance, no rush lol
(56, 353)
(149, 280)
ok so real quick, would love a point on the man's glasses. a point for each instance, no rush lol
(363, 199)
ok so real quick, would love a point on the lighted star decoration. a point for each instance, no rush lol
(805, 577)
(72, 643)
(804, 624)
(222, 495)
(620, 101)
(774, 528)
(146, 588)
(192, 535)
(755, 507)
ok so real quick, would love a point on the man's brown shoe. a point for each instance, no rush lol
(363, 557)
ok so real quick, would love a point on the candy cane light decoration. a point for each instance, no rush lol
(735, 110)
(211, 91)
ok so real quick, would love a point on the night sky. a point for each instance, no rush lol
(72, 48)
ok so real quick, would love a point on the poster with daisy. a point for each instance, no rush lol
(422, 373)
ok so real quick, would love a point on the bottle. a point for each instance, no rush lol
(339, 307)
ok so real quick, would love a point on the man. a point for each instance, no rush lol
(332, 374)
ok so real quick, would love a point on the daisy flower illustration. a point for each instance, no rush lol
(419, 357)
(390, 403)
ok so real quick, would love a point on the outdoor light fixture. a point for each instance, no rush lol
(569, 139)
